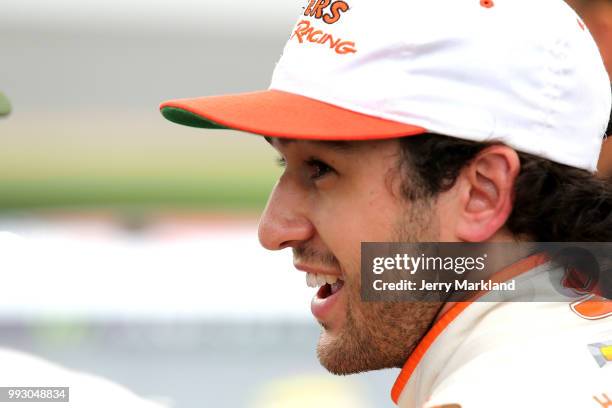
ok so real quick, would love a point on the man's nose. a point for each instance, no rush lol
(284, 222)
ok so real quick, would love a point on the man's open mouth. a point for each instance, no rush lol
(330, 290)
(328, 284)
(327, 290)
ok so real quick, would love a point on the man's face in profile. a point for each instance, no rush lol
(331, 197)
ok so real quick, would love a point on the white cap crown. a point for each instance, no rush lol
(526, 73)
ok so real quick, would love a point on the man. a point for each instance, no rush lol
(20, 370)
(448, 120)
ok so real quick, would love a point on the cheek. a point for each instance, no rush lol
(348, 222)
(373, 220)
(339, 232)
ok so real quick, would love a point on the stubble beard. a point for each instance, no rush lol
(378, 335)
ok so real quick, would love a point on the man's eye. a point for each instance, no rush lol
(319, 169)
(281, 162)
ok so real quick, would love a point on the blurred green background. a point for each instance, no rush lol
(128, 164)
(85, 132)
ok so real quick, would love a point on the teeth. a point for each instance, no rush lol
(311, 280)
(315, 280)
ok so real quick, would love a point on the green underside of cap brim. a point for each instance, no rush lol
(184, 117)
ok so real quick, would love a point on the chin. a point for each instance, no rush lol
(332, 358)
(343, 353)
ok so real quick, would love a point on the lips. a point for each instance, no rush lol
(330, 287)
(324, 301)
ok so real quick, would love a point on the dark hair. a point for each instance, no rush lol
(552, 202)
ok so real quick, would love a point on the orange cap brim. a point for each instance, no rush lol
(281, 114)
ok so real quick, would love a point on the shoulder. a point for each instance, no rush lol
(560, 371)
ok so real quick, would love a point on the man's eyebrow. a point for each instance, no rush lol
(337, 145)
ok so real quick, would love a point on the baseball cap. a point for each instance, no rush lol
(5, 105)
(522, 72)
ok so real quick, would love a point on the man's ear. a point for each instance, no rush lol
(485, 193)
